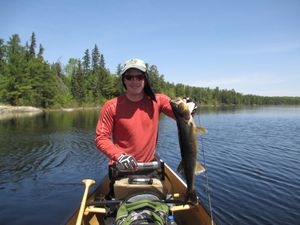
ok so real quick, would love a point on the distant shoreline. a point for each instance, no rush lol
(7, 111)
(74, 109)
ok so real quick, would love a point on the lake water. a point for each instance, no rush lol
(252, 156)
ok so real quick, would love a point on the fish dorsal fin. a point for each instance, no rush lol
(201, 130)
(199, 168)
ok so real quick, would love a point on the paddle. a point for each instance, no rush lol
(88, 183)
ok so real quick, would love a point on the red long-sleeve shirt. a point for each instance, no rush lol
(131, 127)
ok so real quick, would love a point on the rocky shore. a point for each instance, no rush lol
(7, 112)
(18, 109)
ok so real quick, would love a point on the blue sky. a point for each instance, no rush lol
(251, 46)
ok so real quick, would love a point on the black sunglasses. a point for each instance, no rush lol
(137, 77)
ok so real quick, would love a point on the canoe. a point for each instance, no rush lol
(172, 184)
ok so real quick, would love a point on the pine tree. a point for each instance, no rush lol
(118, 81)
(49, 90)
(3, 70)
(107, 85)
(2, 56)
(41, 52)
(57, 68)
(43, 81)
(102, 62)
(16, 83)
(156, 79)
(86, 61)
(95, 58)
(77, 84)
(43, 84)
(32, 46)
(27, 51)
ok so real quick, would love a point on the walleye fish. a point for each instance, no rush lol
(187, 132)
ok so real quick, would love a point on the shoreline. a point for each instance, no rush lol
(72, 109)
(8, 112)
(5, 109)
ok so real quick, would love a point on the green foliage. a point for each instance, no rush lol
(78, 84)
(95, 58)
(86, 61)
(32, 46)
(118, 81)
(180, 90)
(41, 52)
(15, 79)
(71, 67)
(156, 80)
(27, 79)
(57, 68)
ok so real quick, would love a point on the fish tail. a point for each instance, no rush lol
(191, 197)
(201, 130)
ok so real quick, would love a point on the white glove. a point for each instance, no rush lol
(126, 162)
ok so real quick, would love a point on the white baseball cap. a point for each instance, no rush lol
(134, 63)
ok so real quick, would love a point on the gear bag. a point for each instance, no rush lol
(142, 212)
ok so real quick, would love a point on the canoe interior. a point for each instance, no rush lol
(196, 215)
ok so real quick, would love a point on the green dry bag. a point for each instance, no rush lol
(142, 212)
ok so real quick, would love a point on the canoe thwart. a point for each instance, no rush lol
(94, 209)
(180, 207)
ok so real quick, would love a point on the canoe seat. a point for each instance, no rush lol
(123, 189)
(124, 184)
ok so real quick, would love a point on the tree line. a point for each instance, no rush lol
(26, 78)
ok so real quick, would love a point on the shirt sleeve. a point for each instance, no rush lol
(104, 129)
(165, 106)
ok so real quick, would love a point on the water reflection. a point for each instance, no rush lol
(45, 156)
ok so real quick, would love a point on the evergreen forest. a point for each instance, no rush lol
(26, 78)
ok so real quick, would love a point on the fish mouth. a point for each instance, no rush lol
(180, 106)
(176, 102)
(175, 105)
